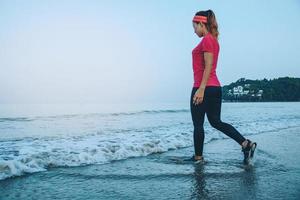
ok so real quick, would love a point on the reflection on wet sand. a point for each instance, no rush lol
(213, 185)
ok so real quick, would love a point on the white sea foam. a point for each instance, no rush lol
(38, 155)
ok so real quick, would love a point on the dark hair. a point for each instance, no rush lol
(211, 25)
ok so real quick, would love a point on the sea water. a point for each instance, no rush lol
(36, 138)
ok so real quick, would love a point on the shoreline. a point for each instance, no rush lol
(157, 177)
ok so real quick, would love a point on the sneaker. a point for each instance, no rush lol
(248, 151)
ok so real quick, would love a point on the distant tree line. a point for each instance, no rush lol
(277, 89)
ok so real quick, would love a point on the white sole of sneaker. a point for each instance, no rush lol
(253, 149)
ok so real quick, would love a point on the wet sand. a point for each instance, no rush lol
(275, 174)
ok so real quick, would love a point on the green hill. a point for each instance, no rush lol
(279, 89)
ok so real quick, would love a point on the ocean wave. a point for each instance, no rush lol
(19, 157)
(69, 116)
(15, 119)
(39, 155)
(84, 139)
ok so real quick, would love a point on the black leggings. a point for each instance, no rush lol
(211, 105)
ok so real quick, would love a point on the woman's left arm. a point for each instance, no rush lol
(199, 95)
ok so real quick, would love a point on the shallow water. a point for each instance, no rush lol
(32, 144)
(222, 176)
(126, 155)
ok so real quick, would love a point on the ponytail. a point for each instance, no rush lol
(211, 25)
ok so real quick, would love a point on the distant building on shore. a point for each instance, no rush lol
(244, 90)
(277, 89)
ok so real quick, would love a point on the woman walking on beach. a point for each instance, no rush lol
(206, 95)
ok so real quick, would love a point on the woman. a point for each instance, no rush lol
(206, 94)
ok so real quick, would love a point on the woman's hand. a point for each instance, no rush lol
(198, 97)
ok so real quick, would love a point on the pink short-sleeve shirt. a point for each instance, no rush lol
(207, 44)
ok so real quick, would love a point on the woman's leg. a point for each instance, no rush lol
(198, 112)
(213, 111)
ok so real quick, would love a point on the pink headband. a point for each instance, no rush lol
(200, 19)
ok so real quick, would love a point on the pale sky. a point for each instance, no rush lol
(84, 51)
